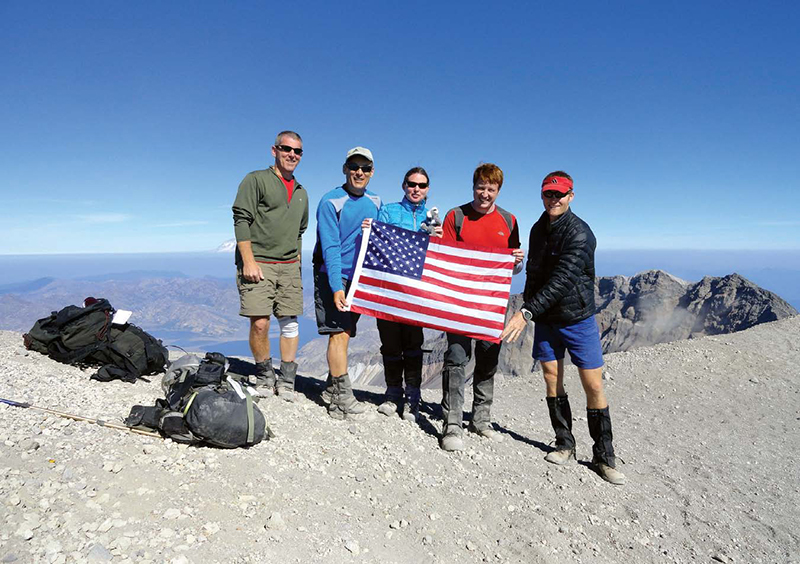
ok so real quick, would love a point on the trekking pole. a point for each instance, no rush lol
(100, 422)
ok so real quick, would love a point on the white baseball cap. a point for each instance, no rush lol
(363, 151)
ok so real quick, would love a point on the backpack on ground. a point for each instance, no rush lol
(204, 405)
(86, 336)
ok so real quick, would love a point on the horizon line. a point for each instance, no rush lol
(231, 252)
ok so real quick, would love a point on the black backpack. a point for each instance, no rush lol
(204, 405)
(85, 336)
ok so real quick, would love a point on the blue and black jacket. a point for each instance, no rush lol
(339, 217)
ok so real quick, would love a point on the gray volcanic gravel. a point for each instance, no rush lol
(707, 428)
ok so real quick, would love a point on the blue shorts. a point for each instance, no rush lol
(581, 339)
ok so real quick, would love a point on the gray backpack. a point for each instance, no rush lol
(204, 405)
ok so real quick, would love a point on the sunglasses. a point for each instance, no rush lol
(288, 149)
(352, 167)
(554, 194)
(415, 184)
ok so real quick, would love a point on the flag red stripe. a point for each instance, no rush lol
(467, 291)
(465, 276)
(471, 261)
(366, 281)
(470, 247)
(366, 296)
(412, 321)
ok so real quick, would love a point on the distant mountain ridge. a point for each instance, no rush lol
(648, 308)
(27, 286)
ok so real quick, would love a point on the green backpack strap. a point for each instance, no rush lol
(250, 418)
(189, 403)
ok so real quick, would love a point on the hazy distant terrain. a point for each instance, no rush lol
(191, 299)
(777, 271)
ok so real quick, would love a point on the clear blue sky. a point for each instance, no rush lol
(127, 126)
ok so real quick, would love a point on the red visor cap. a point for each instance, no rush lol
(557, 183)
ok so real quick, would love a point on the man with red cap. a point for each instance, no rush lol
(559, 298)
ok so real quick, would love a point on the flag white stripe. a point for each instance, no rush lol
(467, 253)
(428, 287)
(469, 269)
(429, 319)
(436, 304)
(491, 286)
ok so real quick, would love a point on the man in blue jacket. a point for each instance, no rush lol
(339, 216)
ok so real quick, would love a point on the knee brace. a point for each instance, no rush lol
(289, 326)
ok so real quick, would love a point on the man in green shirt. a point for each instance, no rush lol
(270, 215)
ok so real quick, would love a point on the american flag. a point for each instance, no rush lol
(405, 276)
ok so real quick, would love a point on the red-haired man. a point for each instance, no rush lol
(479, 222)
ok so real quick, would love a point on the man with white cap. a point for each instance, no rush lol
(339, 216)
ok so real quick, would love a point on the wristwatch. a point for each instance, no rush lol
(527, 314)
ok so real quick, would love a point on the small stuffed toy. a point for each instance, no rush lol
(431, 221)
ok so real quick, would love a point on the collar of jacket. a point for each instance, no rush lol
(279, 177)
(560, 220)
(411, 206)
(344, 187)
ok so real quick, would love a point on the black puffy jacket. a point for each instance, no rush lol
(559, 287)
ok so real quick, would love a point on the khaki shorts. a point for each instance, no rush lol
(279, 293)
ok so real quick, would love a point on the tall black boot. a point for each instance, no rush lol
(412, 366)
(603, 449)
(561, 420)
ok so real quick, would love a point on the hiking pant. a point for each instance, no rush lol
(458, 354)
(401, 347)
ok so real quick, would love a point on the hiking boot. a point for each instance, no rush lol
(561, 456)
(327, 393)
(393, 401)
(452, 441)
(343, 403)
(284, 388)
(265, 378)
(610, 474)
(388, 408)
(486, 433)
(411, 410)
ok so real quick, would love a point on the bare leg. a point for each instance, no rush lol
(337, 353)
(289, 348)
(592, 380)
(259, 338)
(553, 371)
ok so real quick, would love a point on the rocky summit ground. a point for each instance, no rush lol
(707, 428)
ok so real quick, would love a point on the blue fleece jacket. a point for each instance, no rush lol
(339, 217)
(404, 214)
